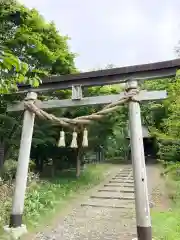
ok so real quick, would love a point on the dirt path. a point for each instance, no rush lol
(107, 213)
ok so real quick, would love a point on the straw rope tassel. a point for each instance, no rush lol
(85, 138)
(74, 140)
(61, 142)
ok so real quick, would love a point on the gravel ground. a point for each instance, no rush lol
(107, 213)
(157, 188)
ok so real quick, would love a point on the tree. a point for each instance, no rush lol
(163, 118)
(12, 69)
(33, 48)
(38, 43)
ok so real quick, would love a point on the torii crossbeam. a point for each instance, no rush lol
(107, 77)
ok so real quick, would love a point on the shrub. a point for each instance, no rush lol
(8, 171)
(32, 177)
(32, 166)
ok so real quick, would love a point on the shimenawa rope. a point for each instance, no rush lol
(79, 121)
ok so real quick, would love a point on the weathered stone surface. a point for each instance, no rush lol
(119, 185)
(111, 203)
(117, 189)
(113, 195)
(121, 181)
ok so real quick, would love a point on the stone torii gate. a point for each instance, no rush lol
(130, 75)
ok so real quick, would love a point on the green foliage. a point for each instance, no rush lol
(30, 49)
(6, 191)
(171, 167)
(44, 197)
(8, 171)
(163, 118)
(31, 166)
(12, 72)
(37, 42)
(118, 145)
(166, 224)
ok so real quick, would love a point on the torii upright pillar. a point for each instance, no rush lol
(16, 228)
(143, 218)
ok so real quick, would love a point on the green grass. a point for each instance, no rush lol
(166, 225)
(47, 197)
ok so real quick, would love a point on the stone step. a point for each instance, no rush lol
(124, 172)
(118, 189)
(128, 186)
(119, 185)
(122, 178)
(102, 213)
(122, 175)
(114, 195)
(130, 178)
(121, 181)
(121, 220)
(113, 203)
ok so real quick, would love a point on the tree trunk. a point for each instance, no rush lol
(53, 168)
(41, 164)
(1, 155)
(8, 148)
(79, 154)
(78, 164)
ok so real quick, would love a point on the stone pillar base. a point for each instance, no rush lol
(17, 232)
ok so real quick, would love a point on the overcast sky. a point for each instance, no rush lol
(119, 32)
